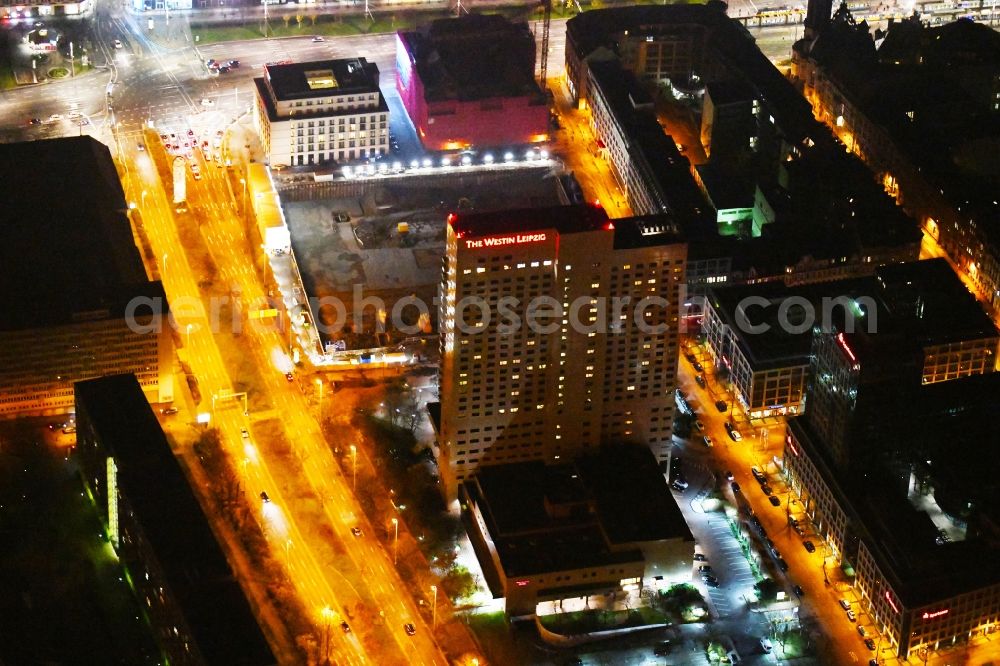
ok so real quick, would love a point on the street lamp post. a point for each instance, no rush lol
(354, 467)
(288, 547)
(142, 200)
(327, 616)
(187, 332)
(395, 540)
(434, 608)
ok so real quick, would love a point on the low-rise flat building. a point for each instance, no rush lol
(74, 296)
(602, 524)
(185, 586)
(321, 112)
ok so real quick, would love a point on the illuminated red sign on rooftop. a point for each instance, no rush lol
(931, 616)
(521, 583)
(847, 350)
(499, 241)
(892, 603)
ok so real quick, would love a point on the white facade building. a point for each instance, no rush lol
(321, 112)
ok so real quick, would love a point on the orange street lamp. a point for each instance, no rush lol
(395, 540)
(354, 467)
(434, 608)
(327, 614)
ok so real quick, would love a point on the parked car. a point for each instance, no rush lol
(774, 501)
(845, 604)
(118, 44)
(861, 631)
(729, 475)
(734, 434)
(698, 367)
(289, 376)
(798, 590)
(766, 489)
(851, 616)
(707, 439)
(757, 474)
(870, 644)
(235, 64)
(810, 548)
(264, 497)
(409, 629)
(704, 568)
(782, 564)
(699, 424)
(169, 410)
(699, 380)
(346, 628)
(317, 39)
(244, 434)
(721, 405)
(356, 531)
(700, 557)
(690, 357)
(735, 486)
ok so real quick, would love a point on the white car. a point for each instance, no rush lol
(317, 38)
(207, 102)
(244, 433)
(118, 44)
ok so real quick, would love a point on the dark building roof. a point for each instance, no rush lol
(66, 246)
(646, 231)
(730, 92)
(564, 219)
(554, 517)
(476, 56)
(348, 75)
(173, 523)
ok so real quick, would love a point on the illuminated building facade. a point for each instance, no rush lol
(76, 300)
(197, 611)
(320, 112)
(470, 81)
(596, 370)
(14, 10)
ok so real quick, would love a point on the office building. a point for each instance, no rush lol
(470, 81)
(76, 300)
(30, 10)
(603, 524)
(597, 364)
(920, 107)
(916, 524)
(184, 585)
(321, 112)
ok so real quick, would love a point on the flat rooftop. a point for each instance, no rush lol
(173, 523)
(66, 246)
(477, 56)
(322, 78)
(564, 219)
(602, 503)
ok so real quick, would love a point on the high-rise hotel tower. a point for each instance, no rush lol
(559, 332)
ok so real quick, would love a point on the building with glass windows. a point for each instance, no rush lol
(321, 112)
(559, 332)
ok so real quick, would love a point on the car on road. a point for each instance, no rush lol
(861, 631)
(699, 380)
(223, 69)
(729, 475)
(264, 497)
(797, 589)
(793, 521)
(663, 649)
(721, 405)
(356, 531)
(34, 121)
(679, 484)
(782, 564)
(69, 429)
(317, 39)
(141, 147)
(851, 616)
(757, 474)
(346, 628)
(698, 367)
(734, 434)
(699, 424)
(234, 64)
(244, 433)
(118, 44)
(289, 376)
(735, 486)
(712, 581)
(700, 557)
(766, 489)
(870, 644)
(808, 545)
(211, 62)
(774, 501)
(409, 629)
(707, 439)
(690, 357)
(845, 604)
(704, 568)
(168, 411)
